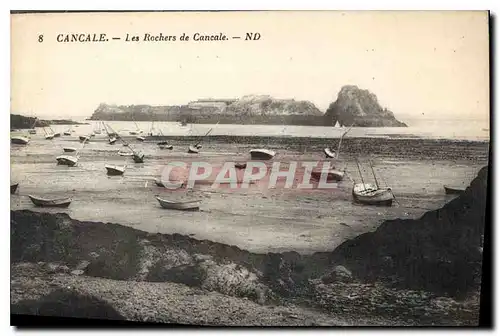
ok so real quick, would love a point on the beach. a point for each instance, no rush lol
(257, 219)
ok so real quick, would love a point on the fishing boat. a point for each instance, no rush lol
(329, 153)
(13, 188)
(262, 154)
(369, 194)
(454, 190)
(196, 148)
(19, 140)
(115, 170)
(54, 134)
(177, 205)
(69, 149)
(67, 160)
(53, 202)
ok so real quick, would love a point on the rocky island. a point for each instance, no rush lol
(353, 106)
(360, 108)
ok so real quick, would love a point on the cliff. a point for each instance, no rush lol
(359, 108)
(246, 110)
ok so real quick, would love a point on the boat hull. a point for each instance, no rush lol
(112, 141)
(193, 150)
(53, 203)
(370, 195)
(57, 135)
(69, 149)
(67, 133)
(20, 140)
(83, 138)
(32, 131)
(332, 175)
(453, 191)
(329, 153)
(185, 206)
(138, 158)
(114, 170)
(66, 160)
(13, 188)
(262, 154)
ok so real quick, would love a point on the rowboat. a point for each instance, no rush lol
(331, 175)
(140, 138)
(125, 153)
(329, 153)
(32, 131)
(13, 188)
(175, 205)
(67, 133)
(371, 195)
(193, 149)
(166, 146)
(19, 140)
(84, 138)
(132, 133)
(49, 136)
(115, 170)
(112, 140)
(262, 154)
(67, 160)
(55, 202)
(69, 149)
(57, 135)
(454, 190)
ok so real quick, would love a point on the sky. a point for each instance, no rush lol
(428, 65)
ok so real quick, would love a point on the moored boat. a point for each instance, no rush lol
(53, 202)
(140, 138)
(138, 157)
(329, 153)
(453, 190)
(57, 135)
(49, 136)
(331, 175)
(114, 170)
(371, 195)
(240, 165)
(125, 153)
(67, 133)
(84, 138)
(112, 140)
(67, 160)
(262, 154)
(19, 140)
(13, 187)
(69, 149)
(179, 205)
(193, 149)
(32, 131)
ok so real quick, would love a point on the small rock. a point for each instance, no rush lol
(52, 267)
(94, 255)
(83, 265)
(77, 272)
(339, 273)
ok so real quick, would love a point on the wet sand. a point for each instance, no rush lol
(257, 219)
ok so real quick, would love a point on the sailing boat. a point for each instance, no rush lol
(69, 160)
(164, 144)
(47, 135)
(68, 132)
(137, 131)
(111, 138)
(55, 134)
(32, 130)
(138, 157)
(195, 149)
(330, 153)
(369, 194)
(97, 130)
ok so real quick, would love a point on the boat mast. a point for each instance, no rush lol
(340, 142)
(375, 177)
(360, 175)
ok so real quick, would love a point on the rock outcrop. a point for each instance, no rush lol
(359, 108)
(18, 121)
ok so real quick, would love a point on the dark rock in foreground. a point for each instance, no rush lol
(359, 108)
